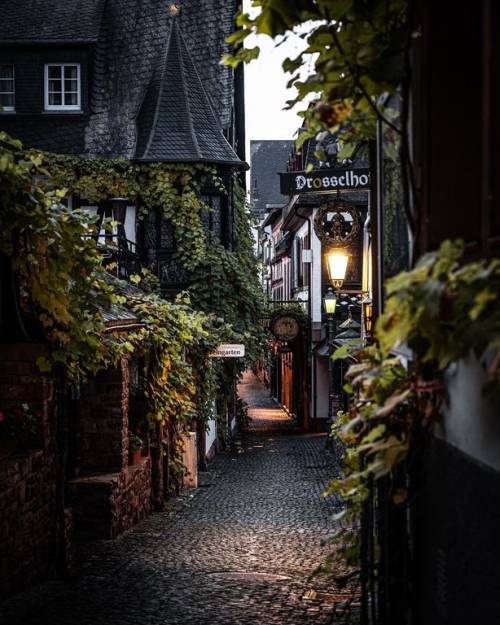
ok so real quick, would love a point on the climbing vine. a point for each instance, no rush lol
(353, 53)
(440, 312)
(56, 263)
(69, 289)
(222, 280)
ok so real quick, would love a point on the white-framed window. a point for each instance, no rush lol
(7, 88)
(62, 87)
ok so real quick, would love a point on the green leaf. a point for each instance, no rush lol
(43, 364)
(341, 353)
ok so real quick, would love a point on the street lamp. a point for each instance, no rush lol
(330, 303)
(119, 209)
(336, 262)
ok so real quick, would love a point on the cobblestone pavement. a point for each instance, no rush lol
(237, 551)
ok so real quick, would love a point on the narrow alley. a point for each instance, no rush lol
(237, 551)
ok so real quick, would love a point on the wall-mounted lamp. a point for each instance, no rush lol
(119, 207)
(336, 262)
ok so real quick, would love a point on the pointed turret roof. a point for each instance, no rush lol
(176, 122)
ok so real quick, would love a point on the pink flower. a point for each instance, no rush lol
(2, 417)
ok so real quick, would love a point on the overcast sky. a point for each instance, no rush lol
(266, 92)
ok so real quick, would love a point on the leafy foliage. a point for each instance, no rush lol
(356, 50)
(60, 270)
(56, 262)
(442, 311)
(223, 282)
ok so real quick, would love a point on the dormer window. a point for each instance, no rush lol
(62, 87)
(7, 92)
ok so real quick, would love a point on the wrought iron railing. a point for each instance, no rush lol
(121, 260)
(120, 256)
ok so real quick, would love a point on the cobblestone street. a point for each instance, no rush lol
(238, 551)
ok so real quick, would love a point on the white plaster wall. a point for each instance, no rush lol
(303, 230)
(321, 387)
(316, 301)
(471, 423)
(211, 435)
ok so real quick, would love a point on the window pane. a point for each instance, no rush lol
(71, 85)
(63, 86)
(6, 85)
(7, 100)
(71, 71)
(71, 99)
(55, 99)
(55, 85)
(55, 71)
(6, 71)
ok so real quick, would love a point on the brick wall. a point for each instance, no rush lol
(108, 496)
(103, 414)
(106, 505)
(27, 477)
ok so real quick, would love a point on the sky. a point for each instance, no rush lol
(266, 92)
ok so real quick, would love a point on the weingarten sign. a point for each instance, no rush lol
(324, 180)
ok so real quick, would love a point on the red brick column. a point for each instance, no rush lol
(104, 421)
(28, 476)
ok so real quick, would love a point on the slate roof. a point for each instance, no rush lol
(177, 121)
(131, 48)
(267, 158)
(50, 21)
(129, 39)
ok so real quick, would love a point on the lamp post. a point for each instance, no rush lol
(330, 303)
(336, 262)
(119, 209)
(367, 310)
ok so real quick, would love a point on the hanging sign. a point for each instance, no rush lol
(285, 327)
(298, 182)
(229, 350)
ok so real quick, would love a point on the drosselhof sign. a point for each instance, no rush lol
(324, 180)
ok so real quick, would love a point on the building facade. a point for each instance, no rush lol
(293, 246)
(139, 81)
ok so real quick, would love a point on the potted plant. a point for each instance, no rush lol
(135, 445)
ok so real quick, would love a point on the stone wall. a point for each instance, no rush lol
(27, 476)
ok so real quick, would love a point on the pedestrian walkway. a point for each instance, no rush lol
(237, 551)
(265, 414)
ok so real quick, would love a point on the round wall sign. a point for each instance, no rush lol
(285, 327)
